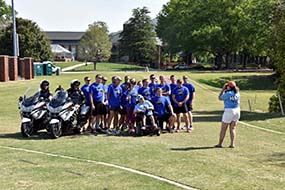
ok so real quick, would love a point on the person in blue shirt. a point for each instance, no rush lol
(180, 95)
(145, 90)
(152, 85)
(144, 108)
(231, 97)
(172, 84)
(190, 101)
(96, 99)
(85, 90)
(114, 99)
(166, 91)
(105, 102)
(131, 96)
(127, 80)
(164, 110)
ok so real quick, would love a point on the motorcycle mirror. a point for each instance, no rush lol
(21, 99)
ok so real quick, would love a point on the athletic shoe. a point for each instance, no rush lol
(231, 146)
(218, 146)
(191, 127)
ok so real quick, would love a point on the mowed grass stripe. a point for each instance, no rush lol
(104, 164)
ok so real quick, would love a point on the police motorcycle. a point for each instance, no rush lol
(64, 115)
(34, 113)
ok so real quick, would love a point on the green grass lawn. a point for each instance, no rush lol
(66, 64)
(110, 67)
(257, 162)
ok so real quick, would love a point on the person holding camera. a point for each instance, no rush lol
(231, 97)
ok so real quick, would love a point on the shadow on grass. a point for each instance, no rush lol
(18, 136)
(277, 159)
(257, 82)
(193, 148)
(216, 116)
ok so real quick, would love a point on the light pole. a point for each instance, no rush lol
(15, 39)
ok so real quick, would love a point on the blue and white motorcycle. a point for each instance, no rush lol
(64, 115)
(34, 114)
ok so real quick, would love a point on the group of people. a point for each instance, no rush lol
(159, 100)
(119, 104)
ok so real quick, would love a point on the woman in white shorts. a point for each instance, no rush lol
(231, 97)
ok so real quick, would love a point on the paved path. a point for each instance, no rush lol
(74, 66)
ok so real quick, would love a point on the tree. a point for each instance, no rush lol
(278, 36)
(221, 28)
(95, 43)
(32, 41)
(5, 13)
(138, 37)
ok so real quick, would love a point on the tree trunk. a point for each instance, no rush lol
(227, 60)
(94, 65)
(219, 61)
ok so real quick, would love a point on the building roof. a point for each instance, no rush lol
(58, 35)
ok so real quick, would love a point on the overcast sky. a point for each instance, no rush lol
(75, 15)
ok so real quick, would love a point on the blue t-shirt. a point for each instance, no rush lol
(115, 93)
(85, 90)
(160, 105)
(145, 92)
(105, 88)
(231, 99)
(152, 87)
(142, 107)
(165, 88)
(132, 102)
(97, 92)
(180, 94)
(124, 87)
(191, 89)
(172, 86)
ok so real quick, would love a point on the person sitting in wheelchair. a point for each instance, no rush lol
(144, 109)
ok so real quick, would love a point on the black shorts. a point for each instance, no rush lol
(115, 109)
(165, 117)
(189, 106)
(182, 109)
(123, 110)
(99, 109)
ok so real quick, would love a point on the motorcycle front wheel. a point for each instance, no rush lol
(55, 130)
(26, 129)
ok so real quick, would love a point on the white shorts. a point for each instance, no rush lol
(231, 115)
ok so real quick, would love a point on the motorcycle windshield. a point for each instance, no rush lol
(31, 97)
(59, 99)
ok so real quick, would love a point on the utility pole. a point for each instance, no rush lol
(15, 38)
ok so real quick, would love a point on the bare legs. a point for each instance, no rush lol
(223, 131)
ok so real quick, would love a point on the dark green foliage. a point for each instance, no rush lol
(138, 37)
(218, 28)
(279, 56)
(32, 41)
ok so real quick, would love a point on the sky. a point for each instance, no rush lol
(76, 15)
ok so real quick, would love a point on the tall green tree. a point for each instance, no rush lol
(32, 41)
(95, 43)
(138, 37)
(5, 13)
(221, 27)
(278, 36)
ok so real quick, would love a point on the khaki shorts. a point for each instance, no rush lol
(231, 115)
